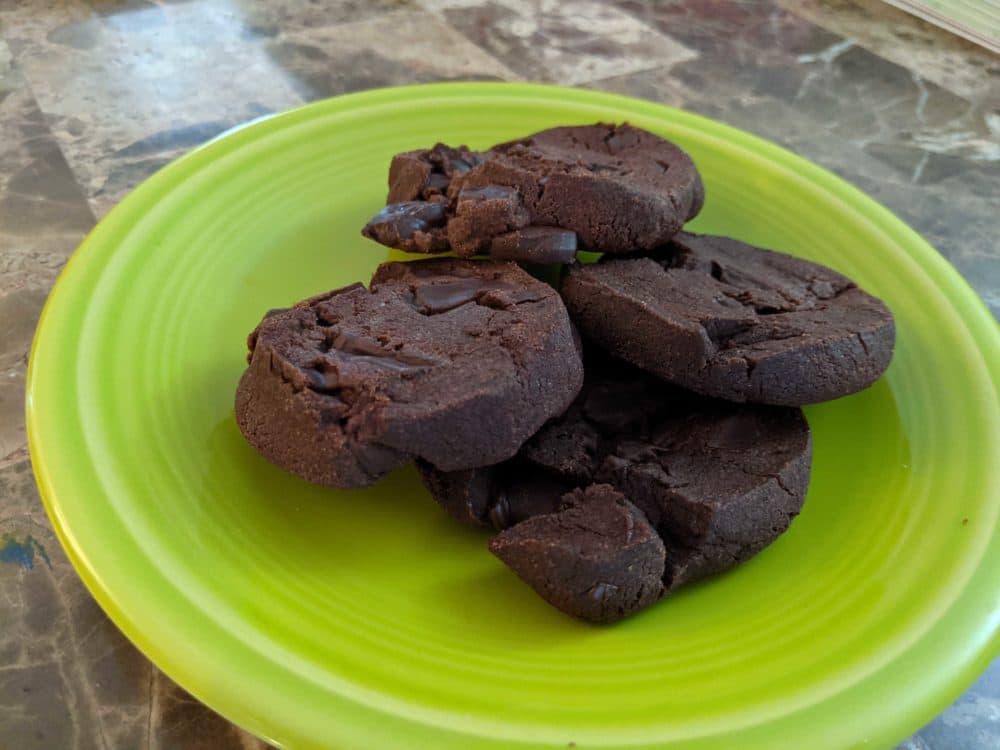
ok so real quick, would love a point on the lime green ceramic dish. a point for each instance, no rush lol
(327, 619)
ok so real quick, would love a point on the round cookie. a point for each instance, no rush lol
(452, 361)
(719, 481)
(726, 319)
(596, 558)
(611, 188)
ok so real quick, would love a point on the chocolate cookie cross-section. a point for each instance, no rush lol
(610, 188)
(718, 481)
(596, 558)
(727, 319)
(452, 361)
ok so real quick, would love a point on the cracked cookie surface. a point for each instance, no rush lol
(610, 188)
(734, 321)
(718, 481)
(452, 361)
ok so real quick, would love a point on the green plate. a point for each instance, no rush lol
(320, 618)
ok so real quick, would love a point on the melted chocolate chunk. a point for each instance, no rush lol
(488, 193)
(439, 298)
(535, 245)
(408, 224)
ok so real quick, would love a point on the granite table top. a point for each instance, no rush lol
(95, 95)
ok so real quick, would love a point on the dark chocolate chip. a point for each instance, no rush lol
(432, 299)
(536, 245)
(487, 193)
(354, 344)
(602, 591)
(461, 165)
(437, 183)
(399, 222)
(499, 513)
(358, 346)
(322, 380)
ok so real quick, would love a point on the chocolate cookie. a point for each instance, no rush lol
(605, 187)
(719, 481)
(727, 319)
(497, 498)
(452, 361)
(596, 558)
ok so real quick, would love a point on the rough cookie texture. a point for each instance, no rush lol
(596, 558)
(726, 319)
(719, 481)
(483, 497)
(613, 188)
(452, 361)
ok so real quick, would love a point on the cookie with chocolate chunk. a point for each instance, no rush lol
(727, 319)
(719, 481)
(596, 558)
(484, 497)
(611, 188)
(452, 361)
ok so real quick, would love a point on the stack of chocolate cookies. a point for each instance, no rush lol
(632, 431)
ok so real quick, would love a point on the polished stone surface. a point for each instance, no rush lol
(95, 96)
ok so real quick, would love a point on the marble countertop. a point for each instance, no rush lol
(97, 95)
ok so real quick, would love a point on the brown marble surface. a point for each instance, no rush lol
(96, 95)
